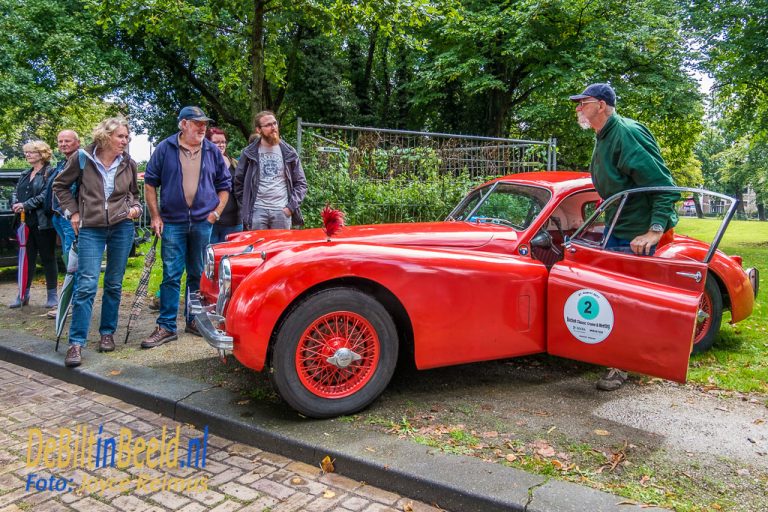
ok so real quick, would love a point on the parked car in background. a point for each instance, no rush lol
(9, 247)
(519, 267)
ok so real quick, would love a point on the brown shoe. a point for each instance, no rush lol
(191, 328)
(73, 357)
(106, 343)
(158, 337)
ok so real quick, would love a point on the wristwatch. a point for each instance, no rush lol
(657, 228)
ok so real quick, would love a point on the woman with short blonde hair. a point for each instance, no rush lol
(102, 217)
(29, 197)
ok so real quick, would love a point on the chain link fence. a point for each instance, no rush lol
(379, 175)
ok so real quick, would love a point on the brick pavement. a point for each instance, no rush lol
(151, 471)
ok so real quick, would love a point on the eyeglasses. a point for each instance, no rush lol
(584, 102)
(31, 152)
(273, 123)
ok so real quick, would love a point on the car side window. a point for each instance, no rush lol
(6, 194)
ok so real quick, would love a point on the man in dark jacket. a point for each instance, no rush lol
(269, 182)
(626, 156)
(194, 185)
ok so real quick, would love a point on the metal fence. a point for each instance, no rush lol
(383, 175)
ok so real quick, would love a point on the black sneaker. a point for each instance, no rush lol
(158, 337)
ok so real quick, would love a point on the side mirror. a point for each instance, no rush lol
(542, 240)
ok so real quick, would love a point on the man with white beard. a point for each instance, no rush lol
(626, 156)
(194, 183)
(269, 182)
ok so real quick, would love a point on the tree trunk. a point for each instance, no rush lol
(760, 211)
(257, 62)
(697, 205)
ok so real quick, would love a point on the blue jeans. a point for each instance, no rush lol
(219, 233)
(621, 245)
(183, 248)
(91, 242)
(64, 229)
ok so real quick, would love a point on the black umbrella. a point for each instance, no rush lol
(141, 290)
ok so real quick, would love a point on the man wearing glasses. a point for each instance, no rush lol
(269, 182)
(194, 183)
(626, 156)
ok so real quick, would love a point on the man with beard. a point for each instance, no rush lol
(626, 156)
(194, 184)
(269, 181)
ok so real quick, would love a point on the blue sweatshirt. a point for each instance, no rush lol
(164, 171)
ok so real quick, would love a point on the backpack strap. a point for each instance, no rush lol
(83, 156)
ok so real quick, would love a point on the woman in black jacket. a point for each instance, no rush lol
(29, 197)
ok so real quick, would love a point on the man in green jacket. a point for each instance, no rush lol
(626, 156)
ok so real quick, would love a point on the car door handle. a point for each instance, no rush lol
(696, 277)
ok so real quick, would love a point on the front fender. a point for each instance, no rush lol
(463, 306)
(729, 273)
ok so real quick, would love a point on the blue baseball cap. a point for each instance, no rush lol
(192, 114)
(599, 91)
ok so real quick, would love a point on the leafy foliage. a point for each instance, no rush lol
(54, 70)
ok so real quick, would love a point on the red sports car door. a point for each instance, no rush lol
(624, 311)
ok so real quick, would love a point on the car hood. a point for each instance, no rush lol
(453, 235)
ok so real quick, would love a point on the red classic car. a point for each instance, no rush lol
(519, 267)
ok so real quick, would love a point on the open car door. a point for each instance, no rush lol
(637, 313)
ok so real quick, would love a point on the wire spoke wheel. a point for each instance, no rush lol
(341, 333)
(709, 318)
(335, 353)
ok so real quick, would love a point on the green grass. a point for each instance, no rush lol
(739, 359)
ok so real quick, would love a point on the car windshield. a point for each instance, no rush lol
(507, 204)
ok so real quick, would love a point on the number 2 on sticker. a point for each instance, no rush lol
(588, 307)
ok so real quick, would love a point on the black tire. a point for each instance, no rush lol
(706, 331)
(304, 385)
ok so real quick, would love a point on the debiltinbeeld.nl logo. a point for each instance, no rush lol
(58, 456)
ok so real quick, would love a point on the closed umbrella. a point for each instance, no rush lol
(67, 290)
(141, 289)
(22, 234)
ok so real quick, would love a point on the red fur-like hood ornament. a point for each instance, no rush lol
(333, 221)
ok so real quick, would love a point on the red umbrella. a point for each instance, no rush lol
(23, 278)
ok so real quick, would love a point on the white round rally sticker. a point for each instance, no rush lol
(589, 316)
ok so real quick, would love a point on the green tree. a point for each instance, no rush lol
(507, 69)
(733, 38)
(54, 70)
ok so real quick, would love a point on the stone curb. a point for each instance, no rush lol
(450, 481)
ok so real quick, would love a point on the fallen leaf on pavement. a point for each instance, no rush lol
(328, 494)
(408, 507)
(116, 372)
(297, 481)
(243, 402)
(602, 432)
(543, 448)
(510, 457)
(327, 464)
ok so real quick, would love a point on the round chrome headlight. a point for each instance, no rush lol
(225, 277)
(209, 262)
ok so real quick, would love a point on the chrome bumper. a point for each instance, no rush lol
(208, 323)
(754, 279)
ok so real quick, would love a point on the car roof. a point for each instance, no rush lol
(556, 181)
